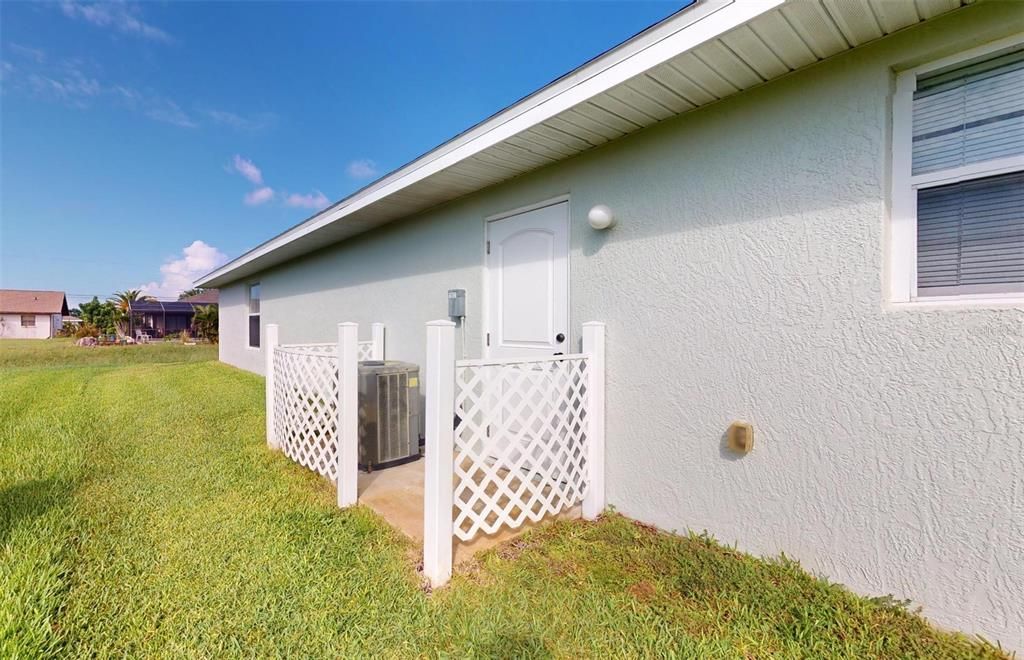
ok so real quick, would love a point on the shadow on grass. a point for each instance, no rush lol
(30, 499)
(513, 646)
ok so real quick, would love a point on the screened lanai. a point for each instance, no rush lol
(156, 318)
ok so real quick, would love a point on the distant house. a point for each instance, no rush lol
(31, 314)
(156, 318)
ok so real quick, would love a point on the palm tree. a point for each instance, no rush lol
(123, 302)
(191, 292)
(124, 299)
(205, 322)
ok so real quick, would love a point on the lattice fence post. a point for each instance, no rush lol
(348, 411)
(378, 341)
(593, 346)
(271, 343)
(439, 388)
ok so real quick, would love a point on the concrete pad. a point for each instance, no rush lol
(396, 494)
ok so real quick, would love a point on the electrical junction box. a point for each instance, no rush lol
(740, 437)
(457, 303)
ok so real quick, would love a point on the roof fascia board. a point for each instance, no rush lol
(703, 22)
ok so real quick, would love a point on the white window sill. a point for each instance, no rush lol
(1009, 302)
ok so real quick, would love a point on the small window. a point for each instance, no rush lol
(28, 320)
(958, 179)
(254, 315)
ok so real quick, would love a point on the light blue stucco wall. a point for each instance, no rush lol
(745, 281)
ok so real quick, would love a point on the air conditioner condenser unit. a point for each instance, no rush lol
(389, 413)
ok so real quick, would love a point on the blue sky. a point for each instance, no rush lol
(128, 132)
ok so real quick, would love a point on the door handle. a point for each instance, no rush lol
(559, 337)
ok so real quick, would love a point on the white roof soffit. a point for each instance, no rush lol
(704, 53)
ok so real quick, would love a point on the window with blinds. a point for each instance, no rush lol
(969, 115)
(970, 236)
(968, 123)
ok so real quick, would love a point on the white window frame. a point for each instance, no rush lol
(903, 210)
(31, 317)
(249, 314)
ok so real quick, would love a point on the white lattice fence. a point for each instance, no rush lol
(520, 443)
(312, 402)
(367, 349)
(528, 441)
(306, 405)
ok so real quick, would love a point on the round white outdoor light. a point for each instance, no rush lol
(601, 217)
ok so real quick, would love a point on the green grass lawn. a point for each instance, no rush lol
(64, 353)
(142, 515)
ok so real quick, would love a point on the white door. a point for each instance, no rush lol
(528, 283)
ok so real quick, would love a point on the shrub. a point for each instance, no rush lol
(205, 322)
(102, 315)
(67, 330)
(86, 330)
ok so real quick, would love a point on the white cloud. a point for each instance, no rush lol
(314, 200)
(362, 169)
(169, 112)
(79, 83)
(262, 194)
(154, 106)
(72, 86)
(259, 196)
(120, 16)
(257, 122)
(126, 93)
(248, 169)
(35, 54)
(179, 274)
(67, 82)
